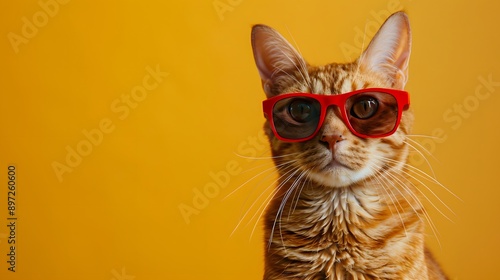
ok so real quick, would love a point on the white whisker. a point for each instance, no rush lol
(280, 167)
(423, 175)
(423, 136)
(268, 200)
(407, 173)
(417, 200)
(267, 157)
(281, 185)
(422, 155)
(379, 177)
(434, 194)
(272, 168)
(297, 195)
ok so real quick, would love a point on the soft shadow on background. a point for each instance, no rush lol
(135, 131)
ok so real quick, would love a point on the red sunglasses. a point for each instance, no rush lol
(368, 113)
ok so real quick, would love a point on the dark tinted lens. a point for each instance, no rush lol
(372, 113)
(364, 108)
(301, 110)
(296, 117)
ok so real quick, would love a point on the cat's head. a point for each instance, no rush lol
(336, 156)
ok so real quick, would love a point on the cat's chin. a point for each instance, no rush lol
(337, 175)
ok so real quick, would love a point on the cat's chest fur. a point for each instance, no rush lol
(344, 233)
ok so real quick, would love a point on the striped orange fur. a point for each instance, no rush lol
(345, 211)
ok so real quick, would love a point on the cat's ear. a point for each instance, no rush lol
(389, 51)
(274, 56)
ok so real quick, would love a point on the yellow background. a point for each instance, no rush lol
(116, 215)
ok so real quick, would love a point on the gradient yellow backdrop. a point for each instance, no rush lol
(119, 116)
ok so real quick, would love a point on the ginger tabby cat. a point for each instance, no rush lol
(344, 207)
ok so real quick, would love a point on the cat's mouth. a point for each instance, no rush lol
(336, 175)
(334, 164)
(333, 161)
(336, 171)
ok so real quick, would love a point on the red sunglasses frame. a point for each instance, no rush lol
(339, 100)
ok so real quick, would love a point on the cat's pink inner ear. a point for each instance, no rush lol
(273, 55)
(389, 51)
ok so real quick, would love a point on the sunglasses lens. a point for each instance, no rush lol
(296, 117)
(372, 113)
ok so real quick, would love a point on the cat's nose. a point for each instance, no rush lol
(331, 140)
